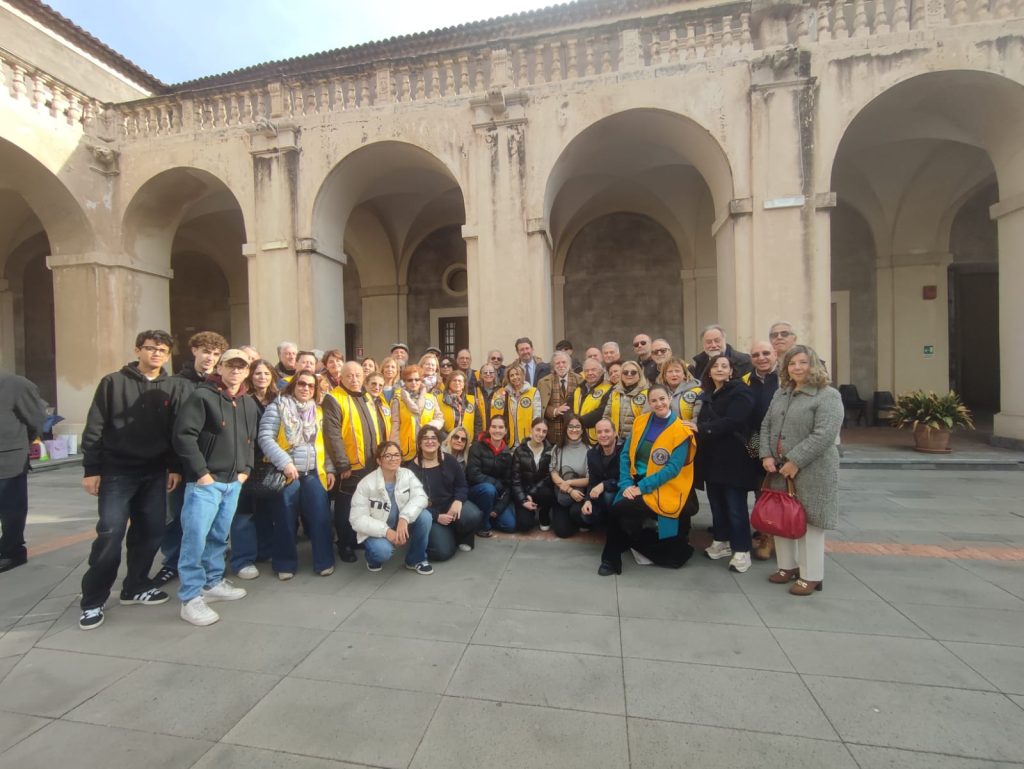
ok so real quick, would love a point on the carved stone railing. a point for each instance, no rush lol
(674, 39)
(45, 94)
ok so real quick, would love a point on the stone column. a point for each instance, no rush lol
(1009, 216)
(101, 301)
(380, 319)
(8, 346)
(322, 315)
(920, 326)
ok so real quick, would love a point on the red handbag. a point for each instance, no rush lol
(779, 512)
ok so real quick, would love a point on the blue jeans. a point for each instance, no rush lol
(171, 544)
(379, 550)
(252, 530)
(13, 513)
(307, 497)
(141, 499)
(205, 523)
(729, 517)
(485, 496)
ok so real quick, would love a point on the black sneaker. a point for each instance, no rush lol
(347, 555)
(150, 597)
(544, 519)
(423, 567)
(91, 618)
(165, 575)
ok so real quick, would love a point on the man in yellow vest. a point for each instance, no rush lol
(355, 425)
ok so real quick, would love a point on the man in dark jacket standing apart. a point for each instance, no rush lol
(714, 343)
(21, 422)
(130, 465)
(215, 436)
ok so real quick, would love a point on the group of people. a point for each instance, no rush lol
(427, 456)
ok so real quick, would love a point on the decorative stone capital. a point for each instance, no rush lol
(107, 159)
(270, 137)
(501, 105)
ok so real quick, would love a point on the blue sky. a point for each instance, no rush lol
(185, 39)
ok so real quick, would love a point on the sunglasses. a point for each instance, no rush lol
(780, 334)
(760, 355)
(661, 351)
(305, 385)
(639, 344)
(630, 372)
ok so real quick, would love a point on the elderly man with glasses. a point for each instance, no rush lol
(642, 348)
(715, 344)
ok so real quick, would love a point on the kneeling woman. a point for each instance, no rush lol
(489, 472)
(656, 475)
(291, 436)
(455, 519)
(387, 512)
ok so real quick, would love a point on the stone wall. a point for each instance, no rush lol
(853, 270)
(432, 257)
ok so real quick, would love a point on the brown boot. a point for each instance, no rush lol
(764, 549)
(805, 587)
(782, 576)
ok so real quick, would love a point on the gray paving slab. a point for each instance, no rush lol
(463, 588)
(388, 661)
(88, 746)
(1002, 665)
(835, 614)
(925, 718)
(550, 679)
(548, 631)
(236, 757)
(50, 683)
(841, 583)
(273, 649)
(1008, 575)
(878, 658)
(957, 623)
(14, 727)
(666, 745)
(752, 700)
(19, 639)
(294, 609)
(179, 700)
(7, 664)
(469, 734)
(127, 631)
(344, 722)
(703, 643)
(411, 619)
(683, 604)
(869, 757)
(574, 593)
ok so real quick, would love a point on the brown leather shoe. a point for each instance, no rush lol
(805, 587)
(782, 576)
(764, 550)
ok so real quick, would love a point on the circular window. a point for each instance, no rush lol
(455, 280)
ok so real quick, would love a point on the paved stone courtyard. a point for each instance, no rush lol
(518, 655)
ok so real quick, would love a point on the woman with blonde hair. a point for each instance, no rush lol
(628, 399)
(431, 374)
(812, 414)
(457, 445)
(684, 388)
(412, 407)
(519, 402)
(391, 372)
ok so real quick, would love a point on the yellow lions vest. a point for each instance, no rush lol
(669, 498)
(318, 443)
(593, 401)
(620, 401)
(517, 410)
(468, 416)
(352, 428)
(409, 423)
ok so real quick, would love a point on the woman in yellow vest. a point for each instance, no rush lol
(590, 399)
(459, 409)
(291, 436)
(518, 402)
(628, 399)
(655, 479)
(411, 408)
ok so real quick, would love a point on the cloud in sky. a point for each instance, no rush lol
(187, 39)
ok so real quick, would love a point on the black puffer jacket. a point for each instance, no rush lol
(722, 430)
(528, 475)
(484, 466)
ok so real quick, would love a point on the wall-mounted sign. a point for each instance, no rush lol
(929, 350)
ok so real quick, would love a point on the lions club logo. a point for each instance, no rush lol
(659, 456)
(640, 399)
(690, 397)
(525, 402)
(470, 408)
(498, 403)
(385, 411)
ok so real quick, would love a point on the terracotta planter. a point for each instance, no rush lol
(931, 440)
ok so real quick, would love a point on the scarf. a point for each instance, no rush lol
(299, 420)
(415, 406)
(457, 403)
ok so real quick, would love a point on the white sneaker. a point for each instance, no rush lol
(640, 558)
(465, 548)
(327, 572)
(248, 572)
(223, 591)
(739, 562)
(718, 550)
(284, 576)
(196, 612)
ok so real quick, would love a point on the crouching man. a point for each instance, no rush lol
(214, 435)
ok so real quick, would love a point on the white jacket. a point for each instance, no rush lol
(371, 505)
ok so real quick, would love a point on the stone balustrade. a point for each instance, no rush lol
(35, 89)
(716, 32)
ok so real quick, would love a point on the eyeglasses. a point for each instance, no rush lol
(391, 455)
(642, 343)
(780, 334)
(305, 385)
(630, 372)
(760, 355)
(661, 351)
(497, 358)
(486, 373)
(413, 380)
(574, 427)
(428, 439)
(155, 350)
(460, 438)
(446, 364)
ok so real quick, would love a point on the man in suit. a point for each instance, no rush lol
(555, 392)
(21, 422)
(535, 369)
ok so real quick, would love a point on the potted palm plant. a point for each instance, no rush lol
(932, 418)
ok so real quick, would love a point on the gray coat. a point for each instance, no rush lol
(21, 421)
(806, 422)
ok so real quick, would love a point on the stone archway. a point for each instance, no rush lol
(663, 176)
(377, 211)
(909, 162)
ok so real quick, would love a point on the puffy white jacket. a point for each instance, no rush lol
(371, 505)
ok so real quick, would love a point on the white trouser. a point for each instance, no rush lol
(808, 553)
